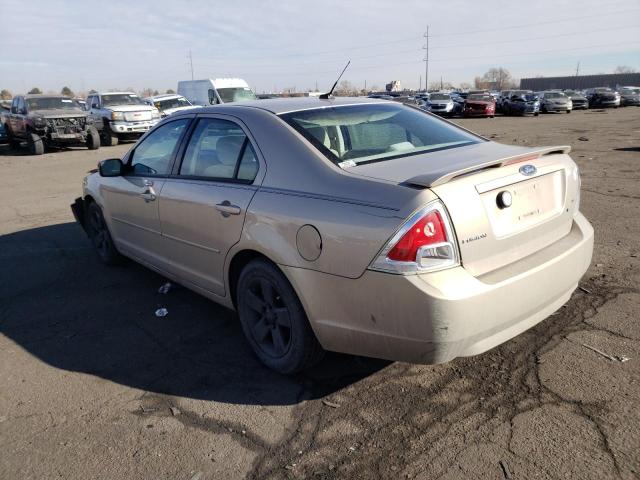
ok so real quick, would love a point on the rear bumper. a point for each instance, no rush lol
(436, 317)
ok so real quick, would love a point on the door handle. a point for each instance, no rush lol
(226, 208)
(148, 195)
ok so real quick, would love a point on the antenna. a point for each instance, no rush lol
(325, 96)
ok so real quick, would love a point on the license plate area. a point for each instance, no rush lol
(533, 201)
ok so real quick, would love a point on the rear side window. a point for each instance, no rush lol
(356, 134)
(219, 149)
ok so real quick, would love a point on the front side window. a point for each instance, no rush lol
(235, 94)
(219, 149)
(375, 132)
(153, 156)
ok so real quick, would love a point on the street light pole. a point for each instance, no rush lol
(426, 60)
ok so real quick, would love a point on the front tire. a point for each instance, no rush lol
(100, 236)
(107, 137)
(93, 138)
(36, 145)
(274, 321)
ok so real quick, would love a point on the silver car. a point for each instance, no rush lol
(555, 101)
(353, 225)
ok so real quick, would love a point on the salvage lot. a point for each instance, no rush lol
(94, 385)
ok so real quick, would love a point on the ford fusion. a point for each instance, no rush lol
(352, 225)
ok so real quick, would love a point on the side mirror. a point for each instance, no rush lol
(111, 167)
(95, 105)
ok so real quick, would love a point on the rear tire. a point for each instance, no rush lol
(107, 137)
(274, 321)
(36, 145)
(100, 237)
(14, 143)
(93, 138)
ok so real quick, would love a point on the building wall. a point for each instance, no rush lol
(583, 81)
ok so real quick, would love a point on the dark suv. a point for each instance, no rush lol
(46, 120)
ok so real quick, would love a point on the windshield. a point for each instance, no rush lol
(236, 94)
(629, 91)
(172, 103)
(51, 103)
(439, 96)
(602, 90)
(111, 99)
(479, 96)
(375, 132)
(554, 95)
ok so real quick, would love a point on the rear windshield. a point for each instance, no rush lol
(358, 134)
(439, 96)
(554, 95)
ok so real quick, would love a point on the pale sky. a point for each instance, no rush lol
(278, 44)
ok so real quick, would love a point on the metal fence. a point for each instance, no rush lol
(580, 82)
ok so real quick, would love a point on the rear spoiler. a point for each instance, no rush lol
(471, 165)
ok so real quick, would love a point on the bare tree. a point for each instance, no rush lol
(170, 91)
(66, 91)
(35, 91)
(147, 92)
(495, 79)
(624, 69)
(465, 86)
(345, 89)
(5, 94)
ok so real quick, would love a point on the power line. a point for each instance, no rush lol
(412, 62)
(476, 44)
(456, 34)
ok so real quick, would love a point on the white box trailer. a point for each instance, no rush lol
(214, 91)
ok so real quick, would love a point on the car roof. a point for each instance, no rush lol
(114, 93)
(164, 96)
(293, 104)
(43, 95)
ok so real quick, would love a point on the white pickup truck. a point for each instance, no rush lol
(120, 116)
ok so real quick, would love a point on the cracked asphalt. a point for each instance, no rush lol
(93, 385)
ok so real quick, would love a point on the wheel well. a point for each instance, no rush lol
(239, 261)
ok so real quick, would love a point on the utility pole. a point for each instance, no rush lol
(365, 86)
(420, 83)
(577, 73)
(426, 61)
(191, 63)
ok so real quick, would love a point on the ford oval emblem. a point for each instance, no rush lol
(528, 170)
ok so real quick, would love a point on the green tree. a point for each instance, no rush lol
(92, 92)
(171, 91)
(66, 91)
(5, 94)
(35, 91)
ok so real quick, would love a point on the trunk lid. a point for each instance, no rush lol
(471, 184)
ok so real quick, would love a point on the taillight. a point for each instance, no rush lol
(425, 243)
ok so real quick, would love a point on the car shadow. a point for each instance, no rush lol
(59, 303)
(628, 149)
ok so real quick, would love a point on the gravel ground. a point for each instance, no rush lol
(94, 385)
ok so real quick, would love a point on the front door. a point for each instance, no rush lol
(202, 208)
(131, 202)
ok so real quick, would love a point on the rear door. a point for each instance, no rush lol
(130, 201)
(203, 205)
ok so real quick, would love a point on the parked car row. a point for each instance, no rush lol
(105, 118)
(519, 102)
